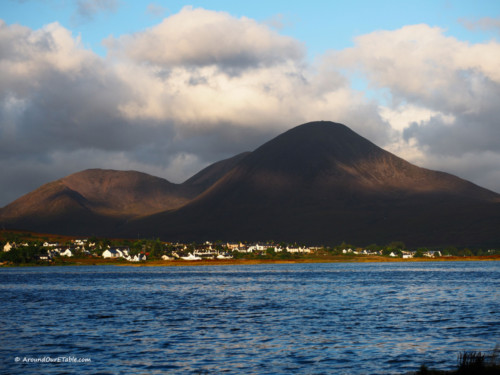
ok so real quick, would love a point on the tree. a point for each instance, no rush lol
(397, 245)
(450, 250)
(373, 247)
(467, 253)
(156, 248)
(419, 253)
(386, 251)
(344, 245)
(24, 254)
(285, 255)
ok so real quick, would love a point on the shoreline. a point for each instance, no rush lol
(241, 262)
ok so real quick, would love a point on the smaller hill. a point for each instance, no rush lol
(94, 201)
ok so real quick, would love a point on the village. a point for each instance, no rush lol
(32, 250)
(205, 251)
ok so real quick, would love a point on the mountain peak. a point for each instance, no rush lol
(319, 182)
(320, 152)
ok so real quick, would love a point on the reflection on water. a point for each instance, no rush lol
(374, 318)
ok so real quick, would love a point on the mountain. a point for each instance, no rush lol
(211, 174)
(323, 183)
(93, 201)
(318, 183)
(98, 201)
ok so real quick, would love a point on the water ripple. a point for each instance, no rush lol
(270, 319)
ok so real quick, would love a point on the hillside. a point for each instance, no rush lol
(322, 183)
(93, 201)
(318, 183)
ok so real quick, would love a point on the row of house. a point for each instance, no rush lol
(203, 251)
(9, 246)
(123, 252)
(64, 251)
(406, 254)
(51, 252)
(241, 248)
(199, 255)
(54, 249)
(207, 251)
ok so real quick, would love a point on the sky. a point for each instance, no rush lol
(169, 87)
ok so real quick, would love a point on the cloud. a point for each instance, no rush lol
(279, 21)
(67, 108)
(199, 37)
(420, 64)
(53, 90)
(204, 85)
(443, 93)
(86, 10)
(155, 10)
(485, 24)
(56, 98)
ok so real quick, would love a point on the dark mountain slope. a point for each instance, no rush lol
(93, 201)
(211, 174)
(54, 208)
(127, 193)
(322, 183)
(98, 201)
(318, 183)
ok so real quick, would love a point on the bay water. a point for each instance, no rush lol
(318, 318)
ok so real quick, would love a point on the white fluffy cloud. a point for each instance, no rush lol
(199, 37)
(420, 64)
(443, 96)
(203, 85)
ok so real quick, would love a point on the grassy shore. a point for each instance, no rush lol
(91, 261)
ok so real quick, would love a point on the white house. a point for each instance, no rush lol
(79, 242)
(298, 250)
(432, 254)
(206, 253)
(191, 257)
(110, 253)
(116, 252)
(66, 253)
(256, 247)
(7, 247)
(137, 258)
(234, 246)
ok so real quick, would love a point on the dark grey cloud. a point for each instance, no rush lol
(469, 133)
(60, 109)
